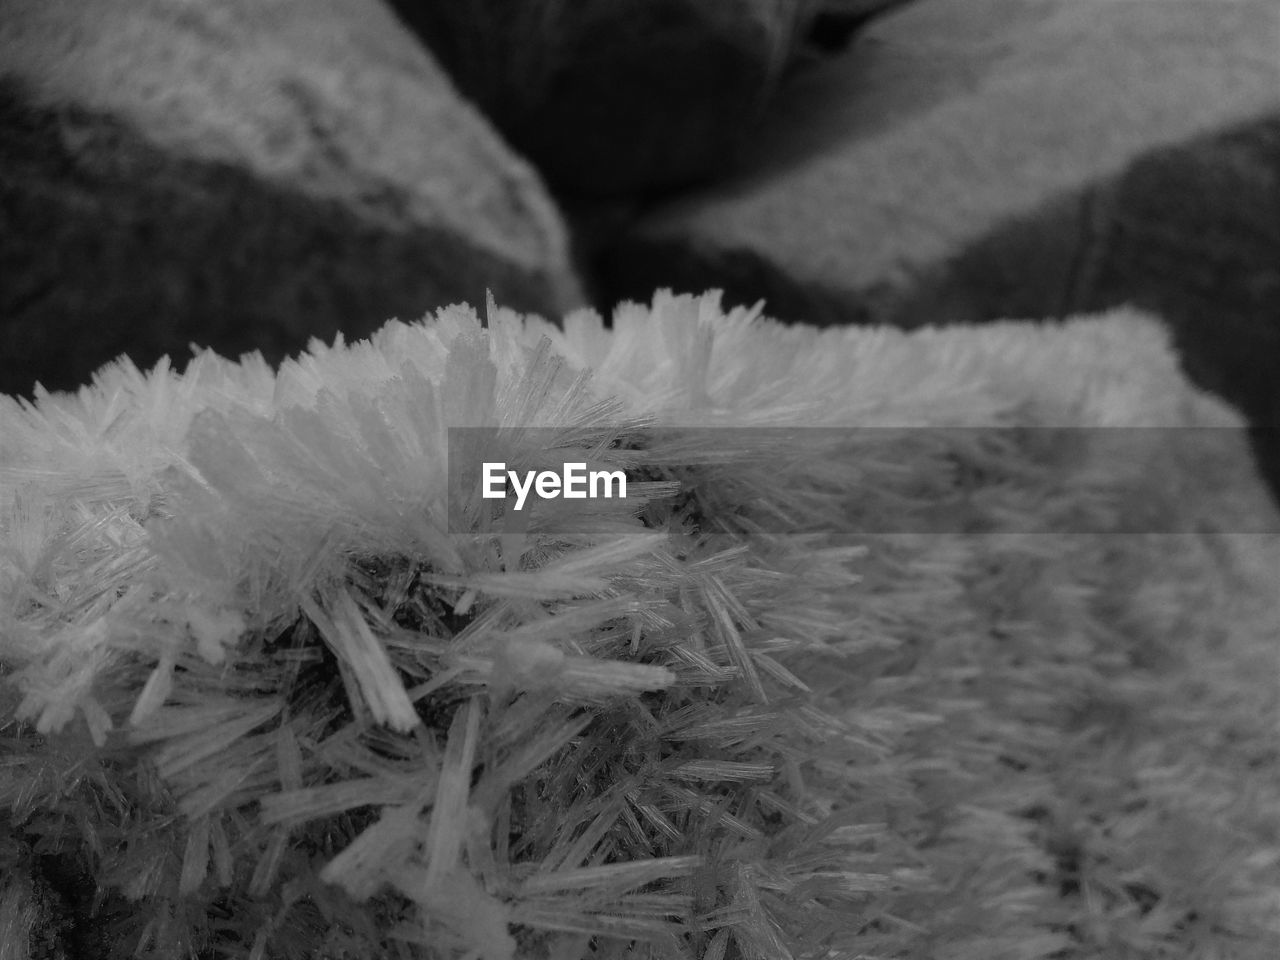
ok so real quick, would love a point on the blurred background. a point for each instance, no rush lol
(245, 175)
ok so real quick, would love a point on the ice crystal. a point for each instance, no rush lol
(267, 689)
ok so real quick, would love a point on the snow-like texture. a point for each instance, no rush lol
(260, 697)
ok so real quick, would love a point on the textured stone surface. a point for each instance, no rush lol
(978, 158)
(244, 175)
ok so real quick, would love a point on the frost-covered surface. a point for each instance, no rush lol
(254, 688)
